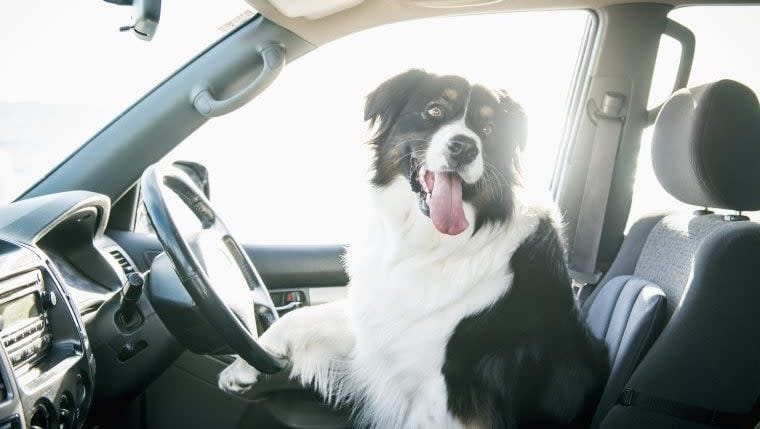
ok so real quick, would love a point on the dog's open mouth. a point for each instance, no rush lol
(440, 196)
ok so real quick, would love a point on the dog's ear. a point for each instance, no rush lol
(385, 102)
(517, 121)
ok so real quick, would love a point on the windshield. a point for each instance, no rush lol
(66, 71)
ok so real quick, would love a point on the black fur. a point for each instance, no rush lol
(529, 361)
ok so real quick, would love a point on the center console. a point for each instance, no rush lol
(46, 366)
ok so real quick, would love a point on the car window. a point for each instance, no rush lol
(66, 71)
(290, 167)
(665, 71)
(726, 39)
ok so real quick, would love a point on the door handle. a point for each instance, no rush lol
(287, 307)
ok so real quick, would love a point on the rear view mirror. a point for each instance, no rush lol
(145, 16)
(198, 173)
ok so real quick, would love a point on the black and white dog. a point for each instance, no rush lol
(460, 311)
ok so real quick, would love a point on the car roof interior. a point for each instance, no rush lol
(371, 13)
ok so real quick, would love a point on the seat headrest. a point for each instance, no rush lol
(706, 146)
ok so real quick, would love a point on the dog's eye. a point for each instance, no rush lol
(487, 129)
(434, 111)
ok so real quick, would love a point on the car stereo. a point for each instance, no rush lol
(24, 325)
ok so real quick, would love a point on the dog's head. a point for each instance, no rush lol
(455, 142)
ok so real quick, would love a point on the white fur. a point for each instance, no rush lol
(435, 158)
(410, 286)
(314, 339)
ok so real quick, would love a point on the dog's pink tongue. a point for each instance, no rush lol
(445, 203)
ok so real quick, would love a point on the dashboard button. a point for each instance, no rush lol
(49, 300)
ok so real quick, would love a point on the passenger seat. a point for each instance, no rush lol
(694, 275)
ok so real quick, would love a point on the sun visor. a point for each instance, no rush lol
(311, 9)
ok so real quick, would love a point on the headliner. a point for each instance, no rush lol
(372, 13)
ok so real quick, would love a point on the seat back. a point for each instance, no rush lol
(628, 314)
(708, 355)
(704, 368)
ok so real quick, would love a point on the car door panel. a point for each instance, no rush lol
(301, 275)
(285, 267)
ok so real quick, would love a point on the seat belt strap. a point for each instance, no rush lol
(692, 413)
(588, 234)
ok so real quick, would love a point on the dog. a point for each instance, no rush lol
(460, 311)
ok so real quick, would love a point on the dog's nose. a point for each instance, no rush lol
(462, 150)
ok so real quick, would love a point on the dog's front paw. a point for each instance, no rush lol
(238, 377)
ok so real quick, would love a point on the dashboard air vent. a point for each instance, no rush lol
(122, 261)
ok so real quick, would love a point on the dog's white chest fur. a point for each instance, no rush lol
(410, 287)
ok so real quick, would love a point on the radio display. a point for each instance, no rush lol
(18, 310)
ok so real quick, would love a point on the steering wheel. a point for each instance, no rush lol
(214, 269)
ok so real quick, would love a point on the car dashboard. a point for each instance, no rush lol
(60, 278)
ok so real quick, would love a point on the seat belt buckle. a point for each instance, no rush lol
(626, 397)
(581, 279)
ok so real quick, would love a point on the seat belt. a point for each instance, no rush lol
(692, 413)
(609, 120)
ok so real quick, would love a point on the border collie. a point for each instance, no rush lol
(460, 311)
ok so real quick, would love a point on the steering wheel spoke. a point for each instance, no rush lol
(211, 265)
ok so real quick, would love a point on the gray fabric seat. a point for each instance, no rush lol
(628, 314)
(703, 370)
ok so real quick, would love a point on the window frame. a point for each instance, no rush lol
(581, 83)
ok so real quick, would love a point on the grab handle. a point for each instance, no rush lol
(685, 37)
(203, 100)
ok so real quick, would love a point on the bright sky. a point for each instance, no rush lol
(66, 71)
(295, 155)
(71, 52)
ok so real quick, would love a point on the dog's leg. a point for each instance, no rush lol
(316, 340)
